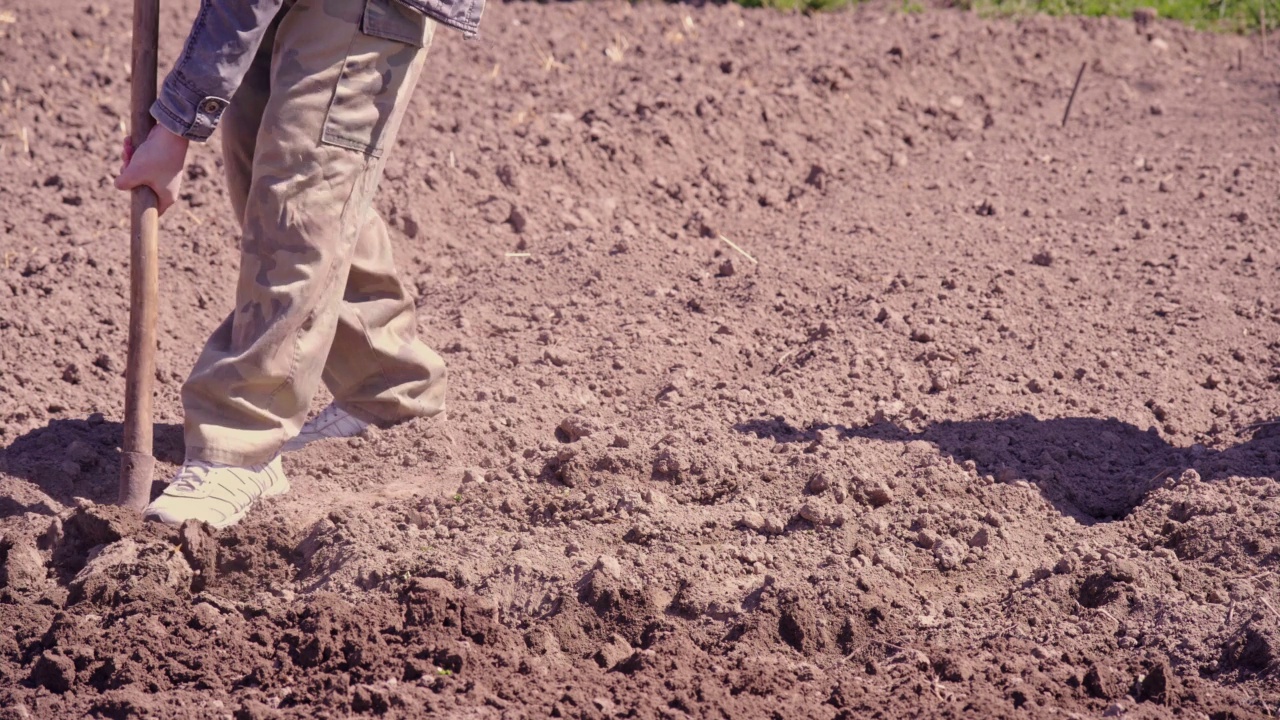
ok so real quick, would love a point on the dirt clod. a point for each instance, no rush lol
(54, 672)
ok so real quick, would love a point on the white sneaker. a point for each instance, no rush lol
(332, 422)
(220, 495)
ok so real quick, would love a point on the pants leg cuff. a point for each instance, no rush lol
(373, 418)
(229, 457)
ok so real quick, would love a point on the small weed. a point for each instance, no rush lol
(443, 672)
(457, 497)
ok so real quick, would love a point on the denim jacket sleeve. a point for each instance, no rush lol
(223, 41)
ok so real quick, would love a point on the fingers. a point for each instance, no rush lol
(126, 154)
(164, 199)
(128, 178)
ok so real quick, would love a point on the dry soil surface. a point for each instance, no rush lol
(962, 423)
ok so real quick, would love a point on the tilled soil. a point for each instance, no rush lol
(800, 367)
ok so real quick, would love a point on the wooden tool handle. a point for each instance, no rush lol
(137, 462)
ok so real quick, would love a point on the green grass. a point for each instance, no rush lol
(1223, 15)
(1226, 15)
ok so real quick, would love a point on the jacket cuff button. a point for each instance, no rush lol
(211, 106)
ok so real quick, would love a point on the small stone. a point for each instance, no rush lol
(818, 483)
(820, 515)
(1036, 385)
(727, 268)
(1065, 565)
(473, 475)
(980, 539)
(205, 617)
(1156, 110)
(518, 221)
(23, 569)
(495, 210)
(899, 160)
(839, 493)
(886, 559)
(1044, 258)
(576, 427)
(922, 335)
(752, 520)
(560, 357)
(609, 565)
(71, 374)
(949, 554)
(1124, 571)
(411, 227)
(774, 526)
(613, 652)
(927, 539)
(879, 496)
(940, 381)
(1115, 709)
(508, 175)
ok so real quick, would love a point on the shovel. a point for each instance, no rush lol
(137, 462)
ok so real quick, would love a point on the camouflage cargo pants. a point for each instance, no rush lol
(318, 298)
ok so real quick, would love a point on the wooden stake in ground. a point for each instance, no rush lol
(1067, 113)
(137, 463)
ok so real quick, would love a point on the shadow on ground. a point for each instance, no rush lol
(74, 458)
(1091, 469)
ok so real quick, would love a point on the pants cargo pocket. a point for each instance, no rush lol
(381, 62)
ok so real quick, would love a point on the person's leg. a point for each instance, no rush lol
(378, 369)
(336, 99)
(242, 121)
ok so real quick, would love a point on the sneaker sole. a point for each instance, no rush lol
(277, 489)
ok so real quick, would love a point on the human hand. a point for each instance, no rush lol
(156, 164)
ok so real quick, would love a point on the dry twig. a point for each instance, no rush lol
(547, 59)
(1270, 606)
(618, 48)
(744, 253)
(1067, 113)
